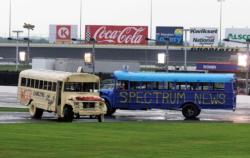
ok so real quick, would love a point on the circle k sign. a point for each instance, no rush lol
(63, 32)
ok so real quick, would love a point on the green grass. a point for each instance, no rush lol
(13, 67)
(125, 140)
(7, 109)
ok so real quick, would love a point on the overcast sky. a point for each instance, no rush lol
(187, 13)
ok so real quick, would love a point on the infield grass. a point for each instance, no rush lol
(9, 109)
(125, 140)
(13, 67)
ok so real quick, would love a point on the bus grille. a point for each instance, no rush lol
(88, 105)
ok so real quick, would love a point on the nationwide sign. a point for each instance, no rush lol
(110, 34)
(237, 34)
(62, 33)
(173, 34)
(203, 36)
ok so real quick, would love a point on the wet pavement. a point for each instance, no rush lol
(8, 98)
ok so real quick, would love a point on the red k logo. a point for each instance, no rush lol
(63, 32)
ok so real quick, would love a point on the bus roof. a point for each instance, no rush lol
(173, 77)
(55, 75)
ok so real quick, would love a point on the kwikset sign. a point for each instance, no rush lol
(203, 36)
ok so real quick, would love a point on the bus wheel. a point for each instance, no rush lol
(190, 111)
(68, 114)
(100, 118)
(110, 111)
(35, 112)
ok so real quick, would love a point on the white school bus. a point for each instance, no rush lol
(64, 93)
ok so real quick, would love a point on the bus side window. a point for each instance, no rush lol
(49, 86)
(207, 86)
(28, 83)
(122, 85)
(181, 86)
(23, 82)
(196, 86)
(36, 83)
(32, 81)
(41, 84)
(219, 86)
(54, 86)
(188, 86)
(172, 86)
(163, 85)
(151, 85)
(45, 86)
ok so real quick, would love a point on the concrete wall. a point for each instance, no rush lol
(71, 65)
(144, 56)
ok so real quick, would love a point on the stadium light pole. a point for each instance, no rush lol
(17, 46)
(93, 41)
(28, 27)
(247, 59)
(166, 51)
(10, 11)
(151, 18)
(80, 19)
(185, 49)
(220, 1)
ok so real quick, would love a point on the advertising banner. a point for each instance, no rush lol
(62, 33)
(174, 35)
(200, 36)
(110, 34)
(217, 66)
(237, 34)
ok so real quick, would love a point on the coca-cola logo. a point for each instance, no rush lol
(121, 35)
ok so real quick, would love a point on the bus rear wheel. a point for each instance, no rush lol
(35, 112)
(68, 114)
(190, 111)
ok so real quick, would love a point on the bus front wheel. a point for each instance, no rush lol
(35, 112)
(190, 111)
(100, 118)
(68, 114)
(110, 111)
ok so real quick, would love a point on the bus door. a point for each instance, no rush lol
(58, 96)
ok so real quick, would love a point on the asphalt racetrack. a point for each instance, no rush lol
(8, 98)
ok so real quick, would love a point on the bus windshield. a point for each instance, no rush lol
(80, 87)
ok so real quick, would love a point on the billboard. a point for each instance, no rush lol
(62, 33)
(219, 66)
(174, 34)
(201, 36)
(237, 34)
(110, 34)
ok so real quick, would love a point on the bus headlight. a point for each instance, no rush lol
(76, 104)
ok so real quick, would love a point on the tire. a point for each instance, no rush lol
(35, 112)
(110, 111)
(100, 118)
(68, 114)
(190, 111)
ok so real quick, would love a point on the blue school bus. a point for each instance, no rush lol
(187, 92)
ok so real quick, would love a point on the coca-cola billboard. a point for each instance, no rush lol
(109, 34)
